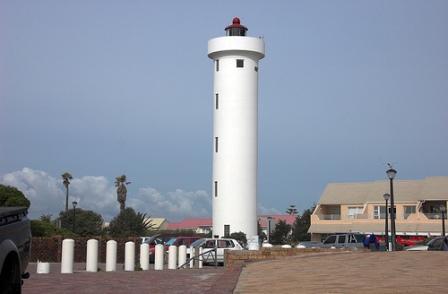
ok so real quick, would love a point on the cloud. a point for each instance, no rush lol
(97, 193)
(174, 205)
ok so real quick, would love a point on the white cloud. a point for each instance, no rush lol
(174, 205)
(47, 196)
(97, 193)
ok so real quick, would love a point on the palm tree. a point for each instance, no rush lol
(120, 183)
(66, 177)
(292, 210)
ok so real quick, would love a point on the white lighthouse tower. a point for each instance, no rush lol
(235, 150)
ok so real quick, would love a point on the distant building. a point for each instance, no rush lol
(360, 207)
(198, 225)
(158, 223)
(263, 220)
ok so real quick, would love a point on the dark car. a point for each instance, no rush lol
(438, 244)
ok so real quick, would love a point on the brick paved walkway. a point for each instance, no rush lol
(206, 280)
(378, 272)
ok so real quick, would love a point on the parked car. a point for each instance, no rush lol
(435, 244)
(310, 244)
(344, 241)
(15, 245)
(181, 240)
(152, 242)
(208, 244)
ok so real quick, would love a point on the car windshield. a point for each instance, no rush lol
(197, 243)
(170, 241)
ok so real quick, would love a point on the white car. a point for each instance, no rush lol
(208, 244)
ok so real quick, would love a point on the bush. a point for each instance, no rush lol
(11, 196)
(129, 223)
(240, 237)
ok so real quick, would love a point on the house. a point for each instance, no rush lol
(198, 225)
(157, 223)
(360, 207)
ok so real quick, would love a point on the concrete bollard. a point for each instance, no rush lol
(158, 257)
(43, 267)
(68, 249)
(172, 256)
(182, 255)
(192, 255)
(111, 256)
(201, 257)
(144, 257)
(92, 256)
(129, 256)
(286, 246)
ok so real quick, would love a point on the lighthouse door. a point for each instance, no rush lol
(226, 231)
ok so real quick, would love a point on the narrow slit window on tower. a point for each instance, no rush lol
(216, 101)
(256, 68)
(226, 231)
(216, 144)
(240, 63)
(217, 64)
(216, 188)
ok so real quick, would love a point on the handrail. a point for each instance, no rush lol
(208, 252)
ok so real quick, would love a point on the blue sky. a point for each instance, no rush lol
(102, 88)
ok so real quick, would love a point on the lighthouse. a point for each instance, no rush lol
(235, 126)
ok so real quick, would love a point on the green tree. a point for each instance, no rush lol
(45, 227)
(292, 210)
(66, 177)
(301, 226)
(129, 223)
(87, 222)
(281, 233)
(11, 196)
(240, 237)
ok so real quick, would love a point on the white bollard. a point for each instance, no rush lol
(267, 245)
(192, 255)
(172, 256)
(68, 249)
(182, 255)
(129, 256)
(201, 258)
(158, 257)
(286, 246)
(43, 267)
(144, 256)
(92, 256)
(111, 256)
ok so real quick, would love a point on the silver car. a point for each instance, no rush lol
(349, 240)
(208, 244)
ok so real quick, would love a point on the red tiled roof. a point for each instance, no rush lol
(191, 223)
(289, 219)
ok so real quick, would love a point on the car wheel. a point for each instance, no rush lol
(10, 280)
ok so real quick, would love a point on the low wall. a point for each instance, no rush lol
(237, 257)
(49, 249)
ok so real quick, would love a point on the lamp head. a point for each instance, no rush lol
(386, 196)
(391, 173)
(74, 203)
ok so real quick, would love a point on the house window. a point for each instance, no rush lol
(226, 231)
(216, 144)
(217, 64)
(409, 210)
(379, 212)
(240, 63)
(216, 188)
(354, 211)
(216, 101)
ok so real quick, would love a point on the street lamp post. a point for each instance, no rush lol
(74, 214)
(269, 229)
(391, 175)
(386, 229)
(443, 210)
